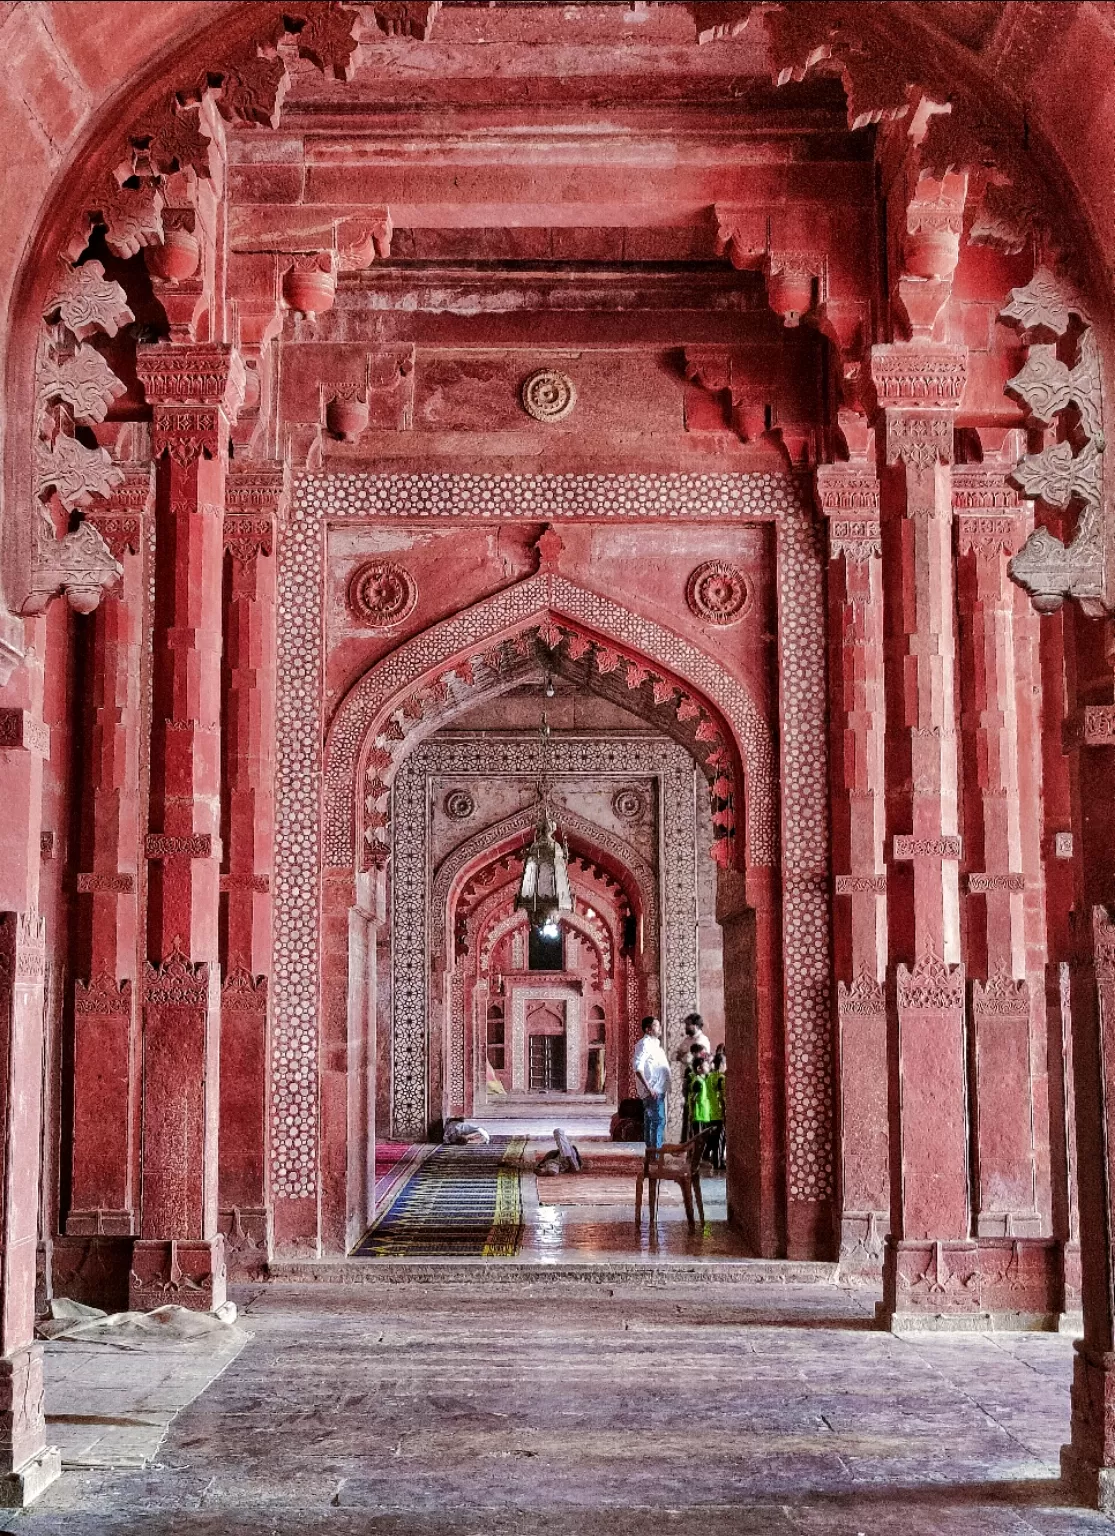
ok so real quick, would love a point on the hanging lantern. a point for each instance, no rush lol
(544, 889)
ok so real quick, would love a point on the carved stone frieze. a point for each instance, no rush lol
(104, 997)
(178, 982)
(241, 992)
(925, 378)
(848, 491)
(980, 884)
(857, 541)
(1001, 997)
(907, 847)
(248, 535)
(931, 987)
(1099, 725)
(865, 996)
(157, 845)
(98, 881)
(19, 730)
(860, 885)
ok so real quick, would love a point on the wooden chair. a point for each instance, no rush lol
(677, 1163)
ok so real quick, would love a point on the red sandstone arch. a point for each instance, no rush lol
(367, 730)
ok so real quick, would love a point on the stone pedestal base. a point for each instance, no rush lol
(972, 1285)
(93, 1270)
(183, 1273)
(22, 1487)
(1090, 1485)
(22, 1421)
(862, 1238)
(247, 1232)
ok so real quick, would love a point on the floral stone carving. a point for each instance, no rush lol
(629, 803)
(548, 395)
(81, 565)
(459, 804)
(718, 593)
(381, 593)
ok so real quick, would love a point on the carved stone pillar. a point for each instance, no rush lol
(998, 731)
(194, 390)
(104, 1198)
(919, 389)
(1089, 1461)
(755, 1115)
(253, 498)
(27, 1465)
(849, 497)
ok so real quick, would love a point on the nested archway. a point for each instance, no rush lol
(434, 672)
(619, 979)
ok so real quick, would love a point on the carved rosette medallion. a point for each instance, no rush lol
(718, 593)
(459, 804)
(381, 593)
(629, 803)
(548, 395)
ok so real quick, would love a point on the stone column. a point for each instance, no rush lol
(849, 497)
(254, 495)
(27, 1465)
(998, 728)
(104, 1200)
(194, 389)
(1089, 1461)
(756, 1126)
(927, 1262)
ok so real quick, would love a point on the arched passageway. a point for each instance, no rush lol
(742, 368)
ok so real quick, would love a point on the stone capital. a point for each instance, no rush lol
(918, 377)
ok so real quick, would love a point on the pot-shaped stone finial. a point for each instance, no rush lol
(310, 285)
(176, 259)
(346, 416)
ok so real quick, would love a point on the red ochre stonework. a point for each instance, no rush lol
(755, 431)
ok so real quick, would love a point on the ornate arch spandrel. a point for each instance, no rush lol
(367, 706)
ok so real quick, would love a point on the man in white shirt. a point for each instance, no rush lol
(694, 1035)
(652, 1078)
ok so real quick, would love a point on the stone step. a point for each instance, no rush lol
(652, 1271)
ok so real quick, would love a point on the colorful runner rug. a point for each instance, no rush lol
(395, 1162)
(459, 1202)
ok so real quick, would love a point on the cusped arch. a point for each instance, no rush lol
(363, 717)
(457, 865)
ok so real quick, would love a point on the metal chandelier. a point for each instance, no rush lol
(544, 890)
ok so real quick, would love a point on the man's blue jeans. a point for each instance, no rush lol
(654, 1121)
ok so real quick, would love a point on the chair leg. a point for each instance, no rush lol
(639, 1201)
(687, 1198)
(653, 1201)
(700, 1198)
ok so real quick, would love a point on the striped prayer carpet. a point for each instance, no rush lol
(459, 1202)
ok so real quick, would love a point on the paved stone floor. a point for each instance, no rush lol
(592, 1411)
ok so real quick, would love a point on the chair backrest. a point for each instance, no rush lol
(691, 1150)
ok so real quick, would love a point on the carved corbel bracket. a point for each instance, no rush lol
(81, 566)
(1067, 475)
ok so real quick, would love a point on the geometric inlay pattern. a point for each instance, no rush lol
(324, 498)
(414, 917)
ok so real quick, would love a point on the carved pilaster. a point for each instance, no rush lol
(848, 495)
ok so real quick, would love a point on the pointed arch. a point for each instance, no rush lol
(365, 723)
